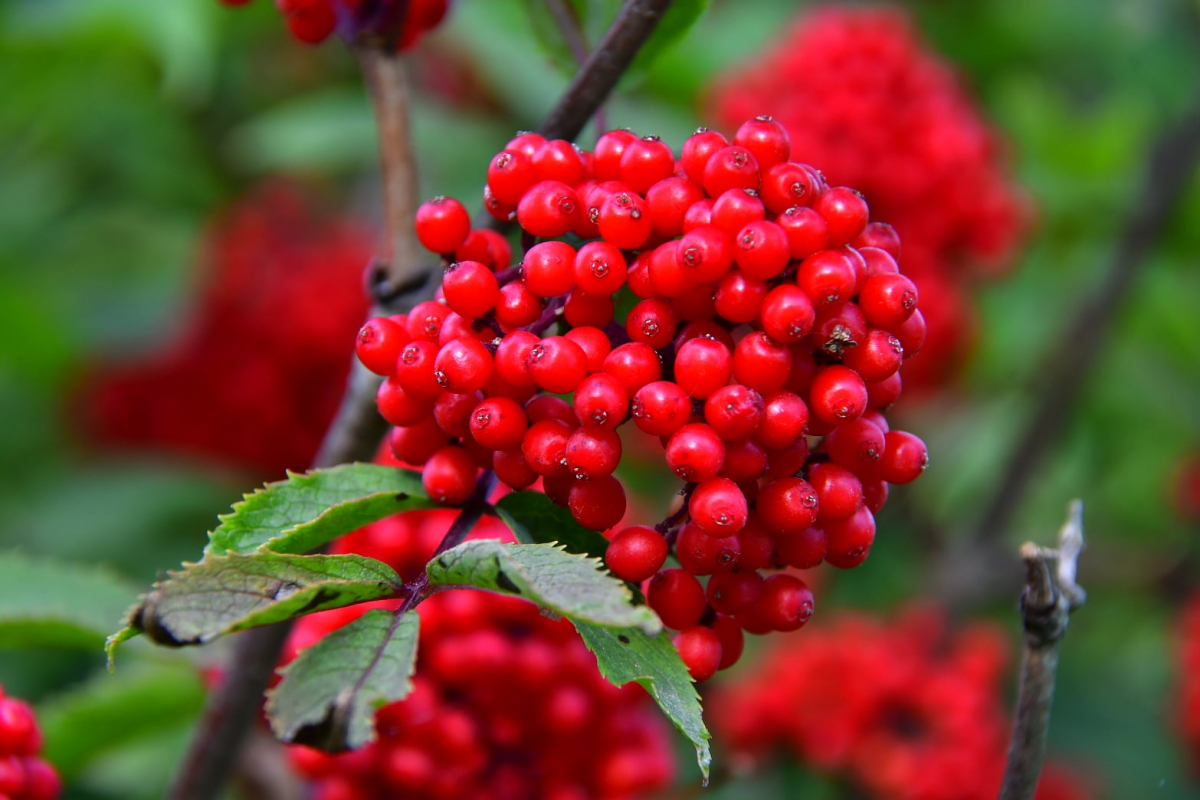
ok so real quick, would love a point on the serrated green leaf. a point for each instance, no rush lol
(329, 694)
(108, 711)
(225, 594)
(46, 603)
(571, 585)
(535, 519)
(652, 661)
(305, 511)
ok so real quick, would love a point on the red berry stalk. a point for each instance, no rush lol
(23, 775)
(256, 375)
(506, 703)
(772, 322)
(861, 94)
(906, 708)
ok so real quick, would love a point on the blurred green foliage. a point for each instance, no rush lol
(125, 125)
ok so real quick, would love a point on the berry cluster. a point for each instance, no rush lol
(1186, 699)
(769, 320)
(278, 275)
(904, 707)
(863, 96)
(312, 21)
(23, 775)
(506, 703)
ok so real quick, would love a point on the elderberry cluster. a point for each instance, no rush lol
(864, 96)
(506, 703)
(279, 273)
(23, 775)
(906, 708)
(770, 324)
(312, 21)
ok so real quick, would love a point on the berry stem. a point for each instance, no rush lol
(1050, 595)
(678, 514)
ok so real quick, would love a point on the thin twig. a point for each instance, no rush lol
(976, 565)
(387, 78)
(1050, 595)
(567, 22)
(357, 429)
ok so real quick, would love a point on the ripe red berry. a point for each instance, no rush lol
(557, 364)
(593, 452)
(598, 503)
(449, 476)
(635, 554)
(549, 268)
(660, 408)
(787, 506)
(845, 213)
(600, 268)
(677, 598)
(645, 162)
(766, 138)
(601, 401)
(730, 167)
(463, 366)
(702, 366)
(498, 423)
(548, 209)
(718, 507)
(888, 299)
(904, 458)
(442, 225)
(697, 151)
(785, 603)
(379, 343)
(695, 453)
(838, 395)
(787, 313)
(700, 649)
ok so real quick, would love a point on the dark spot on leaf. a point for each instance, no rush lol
(322, 596)
(331, 733)
(622, 638)
(505, 583)
(401, 497)
(146, 619)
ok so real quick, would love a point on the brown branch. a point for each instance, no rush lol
(976, 565)
(1050, 595)
(604, 67)
(356, 431)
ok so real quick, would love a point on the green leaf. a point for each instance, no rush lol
(329, 694)
(46, 603)
(231, 593)
(109, 711)
(571, 585)
(652, 661)
(680, 17)
(306, 511)
(535, 519)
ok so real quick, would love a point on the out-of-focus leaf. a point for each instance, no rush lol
(329, 694)
(46, 603)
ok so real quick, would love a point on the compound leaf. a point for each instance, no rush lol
(329, 694)
(308, 510)
(571, 585)
(225, 594)
(652, 661)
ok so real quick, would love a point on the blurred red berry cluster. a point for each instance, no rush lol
(1185, 488)
(1186, 702)
(257, 372)
(905, 707)
(772, 317)
(863, 96)
(506, 703)
(312, 21)
(23, 775)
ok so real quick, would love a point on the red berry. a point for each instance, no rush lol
(849, 540)
(624, 220)
(634, 364)
(845, 212)
(787, 506)
(734, 412)
(463, 366)
(635, 554)
(802, 549)
(677, 598)
(593, 452)
(697, 151)
(660, 408)
(645, 162)
(470, 289)
(442, 225)
(766, 138)
(787, 313)
(379, 343)
(700, 649)
(785, 604)
(601, 401)
(702, 366)
(888, 299)
(449, 476)
(598, 503)
(695, 453)
(730, 167)
(557, 364)
(718, 507)
(498, 423)
(549, 268)
(600, 268)
(838, 395)
(904, 458)
(548, 209)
